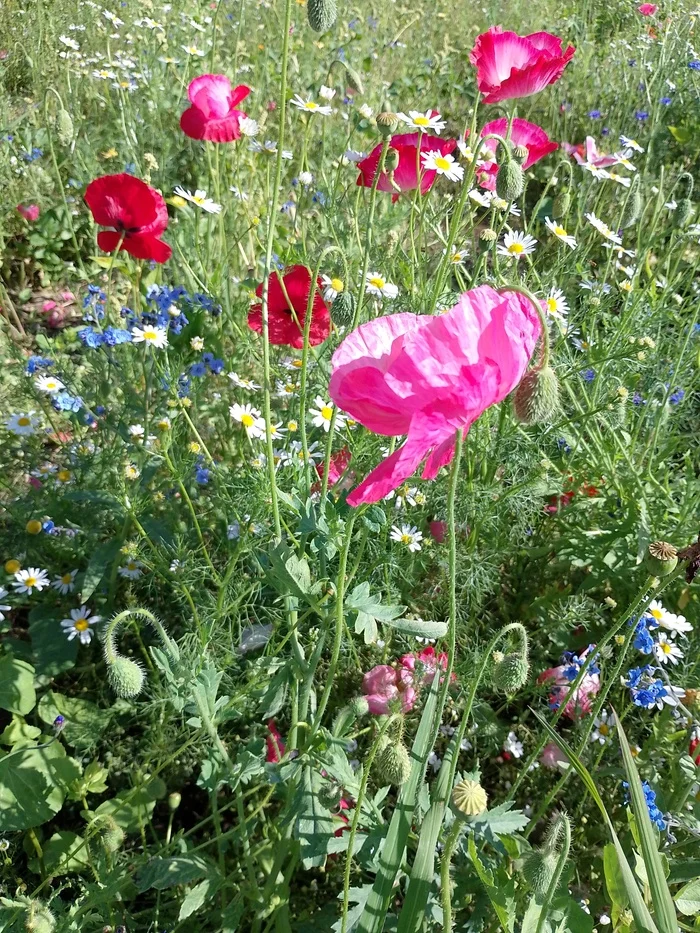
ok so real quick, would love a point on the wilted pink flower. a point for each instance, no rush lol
(48, 306)
(438, 530)
(423, 664)
(587, 154)
(213, 114)
(275, 745)
(523, 133)
(406, 173)
(386, 688)
(552, 756)
(648, 9)
(509, 65)
(30, 212)
(429, 377)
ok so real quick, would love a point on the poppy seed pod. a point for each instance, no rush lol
(661, 559)
(39, 918)
(520, 153)
(387, 123)
(394, 763)
(469, 798)
(633, 205)
(510, 180)
(322, 14)
(330, 795)
(537, 397)
(126, 677)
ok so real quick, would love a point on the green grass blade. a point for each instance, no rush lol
(642, 917)
(664, 909)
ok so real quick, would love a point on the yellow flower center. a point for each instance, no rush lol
(67, 579)
(657, 614)
(442, 162)
(666, 647)
(131, 565)
(12, 566)
(297, 364)
(150, 334)
(603, 729)
(377, 281)
(421, 121)
(337, 285)
(552, 305)
(326, 413)
(30, 581)
(80, 625)
(248, 421)
(311, 105)
(560, 231)
(405, 539)
(516, 248)
(292, 426)
(24, 421)
(63, 475)
(51, 384)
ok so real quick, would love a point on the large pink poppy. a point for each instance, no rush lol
(213, 114)
(523, 133)
(406, 174)
(509, 65)
(429, 377)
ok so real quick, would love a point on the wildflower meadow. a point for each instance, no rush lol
(350, 479)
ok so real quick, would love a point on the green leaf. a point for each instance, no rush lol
(161, 873)
(613, 878)
(688, 899)
(370, 611)
(65, 852)
(33, 784)
(501, 820)
(102, 557)
(131, 808)
(196, 897)
(664, 911)
(17, 694)
(314, 825)
(85, 721)
(52, 654)
(500, 894)
(19, 733)
(424, 628)
(681, 134)
(290, 575)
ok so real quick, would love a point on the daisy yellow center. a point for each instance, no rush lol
(422, 121)
(457, 257)
(63, 475)
(150, 334)
(377, 281)
(297, 364)
(516, 248)
(603, 729)
(198, 199)
(24, 421)
(30, 581)
(248, 421)
(311, 105)
(656, 613)
(326, 413)
(405, 539)
(80, 625)
(123, 84)
(131, 565)
(67, 579)
(666, 647)
(442, 162)
(292, 426)
(337, 285)
(51, 384)
(560, 231)
(552, 305)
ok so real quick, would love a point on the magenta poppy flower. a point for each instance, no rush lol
(522, 133)
(30, 212)
(587, 154)
(137, 213)
(509, 65)
(213, 114)
(423, 664)
(406, 173)
(429, 377)
(387, 689)
(648, 9)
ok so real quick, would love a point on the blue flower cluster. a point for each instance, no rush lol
(35, 363)
(207, 362)
(94, 304)
(573, 663)
(33, 155)
(656, 816)
(647, 691)
(109, 337)
(201, 473)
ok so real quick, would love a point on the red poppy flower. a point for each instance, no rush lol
(30, 212)
(523, 133)
(287, 312)
(213, 114)
(273, 741)
(406, 173)
(136, 212)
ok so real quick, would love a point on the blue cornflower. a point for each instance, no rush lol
(115, 335)
(631, 62)
(100, 410)
(594, 114)
(287, 207)
(64, 401)
(201, 475)
(676, 396)
(695, 65)
(666, 101)
(319, 198)
(37, 362)
(563, 446)
(49, 527)
(605, 131)
(638, 399)
(198, 369)
(90, 337)
(635, 675)
(217, 366)
(33, 155)
(207, 358)
(641, 115)
(655, 814)
(643, 641)
(183, 387)
(130, 168)
(589, 375)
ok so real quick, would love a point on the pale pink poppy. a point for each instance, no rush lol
(587, 154)
(577, 703)
(387, 689)
(213, 114)
(510, 66)
(523, 133)
(429, 377)
(648, 9)
(552, 756)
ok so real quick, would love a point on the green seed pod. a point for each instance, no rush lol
(561, 205)
(391, 160)
(683, 214)
(633, 205)
(537, 397)
(394, 764)
(64, 127)
(661, 559)
(330, 795)
(322, 14)
(387, 123)
(539, 868)
(469, 798)
(510, 181)
(511, 671)
(174, 801)
(126, 677)
(342, 311)
(520, 154)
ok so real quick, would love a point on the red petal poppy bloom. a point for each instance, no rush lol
(284, 327)
(213, 114)
(136, 212)
(510, 66)
(523, 133)
(406, 174)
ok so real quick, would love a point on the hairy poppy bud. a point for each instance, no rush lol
(469, 798)
(391, 160)
(342, 312)
(126, 677)
(174, 801)
(510, 181)
(510, 672)
(561, 205)
(330, 795)
(539, 868)
(394, 763)
(683, 213)
(64, 127)
(38, 918)
(322, 14)
(111, 835)
(633, 205)
(537, 397)
(661, 559)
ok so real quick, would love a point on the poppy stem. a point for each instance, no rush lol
(368, 233)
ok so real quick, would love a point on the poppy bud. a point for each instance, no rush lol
(660, 559)
(683, 213)
(38, 918)
(488, 235)
(469, 798)
(394, 763)
(126, 677)
(342, 312)
(387, 123)
(352, 78)
(510, 671)
(112, 835)
(537, 397)
(391, 160)
(322, 14)
(561, 205)
(174, 801)
(510, 181)
(633, 205)
(64, 127)
(330, 795)
(539, 868)
(520, 153)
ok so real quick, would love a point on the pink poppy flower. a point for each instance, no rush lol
(509, 65)
(30, 212)
(424, 664)
(386, 688)
(587, 153)
(577, 703)
(429, 377)
(274, 743)
(213, 114)
(552, 756)
(406, 174)
(648, 9)
(523, 133)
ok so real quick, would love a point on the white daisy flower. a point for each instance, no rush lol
(516, 244)
(326, 93)
(23, 423)
(323, 413)
(623, 158)
(602, 727)
(131, 570)
(513, 746)
(366, 112)
(248, 126)
(603, 228)
(620, 179)
(286, 389)
(620, 251)
(3, 606)
(199, 198)
(429, 120)
(197, 343)
(352, 156)
(26, 581)
(269, 147)
(332, 287)
(408, 535)
(310, 106)
(560, 233)
(377, 285)
(628, 143)
(193, 50)
(152, 336)
(483, 198)
(556, 304)
(405, 494)
(65, 583)
(242, 383)
(49, 384)
(458, 256)
(443, 165)
(250, 418)
(666, 650)
(600, 174)
(79, 625)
